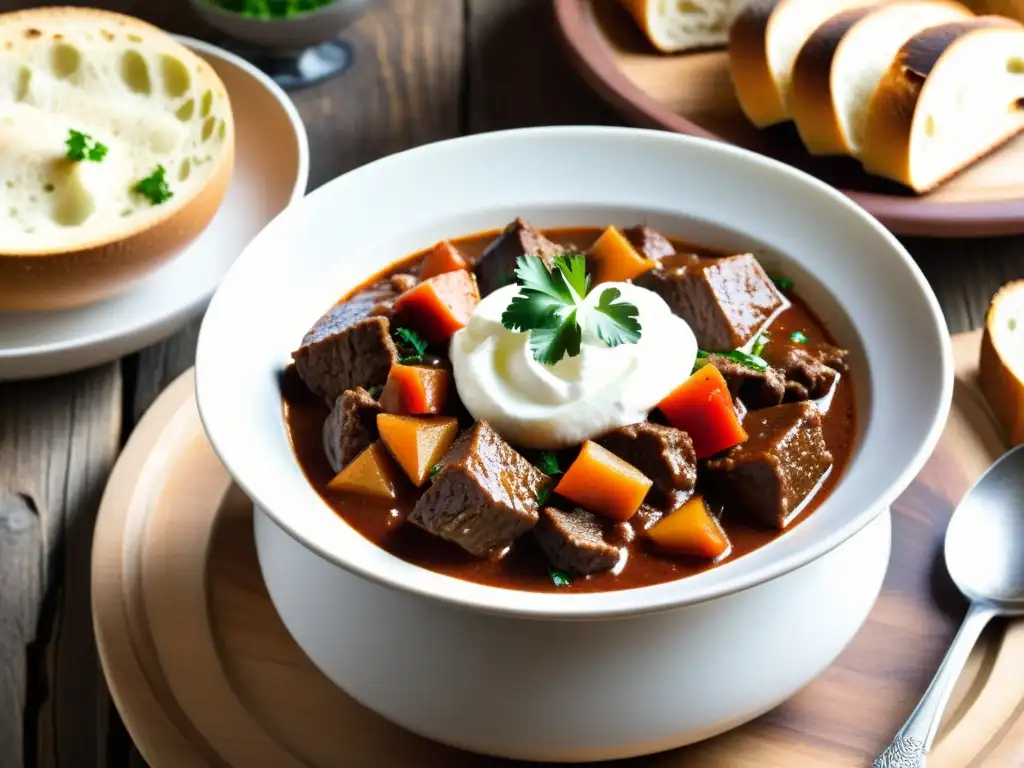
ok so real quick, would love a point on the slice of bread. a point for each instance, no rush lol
(683, 25)
(131, 87)
(953, 93)
(764, 40)
(841, 64)
(1001, 372)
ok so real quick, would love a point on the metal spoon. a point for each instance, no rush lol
(985, 556)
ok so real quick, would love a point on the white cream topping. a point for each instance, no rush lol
(539, 406)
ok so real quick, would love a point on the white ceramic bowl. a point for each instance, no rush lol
(575, 677)
(289, 34)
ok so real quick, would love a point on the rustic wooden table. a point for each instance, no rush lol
(424, 71)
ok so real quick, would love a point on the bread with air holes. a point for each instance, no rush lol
(1001, 371)
(73, 230)
(764, 40)
(842, 62)
(683, 25)
(952, 94)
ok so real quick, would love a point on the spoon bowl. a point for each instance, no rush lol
(985, 540)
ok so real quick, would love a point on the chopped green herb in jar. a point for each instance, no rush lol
(798, 336)
(82, 146)
(154, 187)
(560, 578)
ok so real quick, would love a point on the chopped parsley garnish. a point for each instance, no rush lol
(154, 187)
(760, 344)
(782, 283)
(411, 345)
(548, 464)
(550, 306)
(737, 356)
(269, 9)
(82, 146)
(543, 495)
(560, 578)
(798, 337)
(433, 471)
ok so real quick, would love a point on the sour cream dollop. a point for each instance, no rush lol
(548, 407)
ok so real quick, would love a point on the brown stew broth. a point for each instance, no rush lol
(525, 567)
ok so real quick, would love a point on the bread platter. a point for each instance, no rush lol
(946, 173)
(93, 297)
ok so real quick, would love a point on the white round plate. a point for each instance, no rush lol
(271, 172)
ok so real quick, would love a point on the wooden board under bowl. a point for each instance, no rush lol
(205, 674)
(692, 93)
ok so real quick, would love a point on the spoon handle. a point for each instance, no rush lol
(911, 744)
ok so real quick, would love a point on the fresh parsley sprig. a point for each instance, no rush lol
(82, 146)
(550, 305)
(154, 187)
(411, 345)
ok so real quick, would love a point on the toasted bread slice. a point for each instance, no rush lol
(764, 40)
(840, 65)
(1001, 374)
(951, 95)
(685, 25)
(132, 88)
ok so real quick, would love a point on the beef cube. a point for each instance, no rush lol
(726, 300)
(350, 427)
(347, 348)
(402, 281)
(810, 370)
(783, 461)
(649, 242)
(757, 389)
(496, 266)
(664, 454)
(575, 541)
(484, 496)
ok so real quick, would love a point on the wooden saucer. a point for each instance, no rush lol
(204, 673)
(692, 93)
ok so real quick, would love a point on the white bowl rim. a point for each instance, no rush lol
(597, 605)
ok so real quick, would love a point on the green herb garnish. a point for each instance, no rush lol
(548, 464)
(737, 356)
(433, 471)
(758, 347)
(154, 187)
(82, 146)
(550, 305)
(798, 337)
(269, 9)
(543, 495)
(375, 392)
(411, 344)
(782, 283)
(560, 578)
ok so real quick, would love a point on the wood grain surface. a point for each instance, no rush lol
(206, 674)
(423, 71)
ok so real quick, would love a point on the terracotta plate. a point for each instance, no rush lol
(693, 94)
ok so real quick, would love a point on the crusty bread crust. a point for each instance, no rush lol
(811, 94)
(83, 273)
(1002, 388)
(887, 143)
(756, 89)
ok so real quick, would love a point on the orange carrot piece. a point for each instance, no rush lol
(690, 530)
(603, 483)
(439, 306)
(417, 443)
(371, 473)
(444, 257)
(615, 259)
(415, 390)
(702, 407)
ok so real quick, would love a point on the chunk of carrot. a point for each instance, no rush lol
(371, 473)
(439, 306)
(444, 257)
(603, 483)
(415, 390)
(702, 408)
(615, 259)
(690, 530)
(417, 443)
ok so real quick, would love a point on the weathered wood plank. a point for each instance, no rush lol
(21, 589)
(58, 441)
